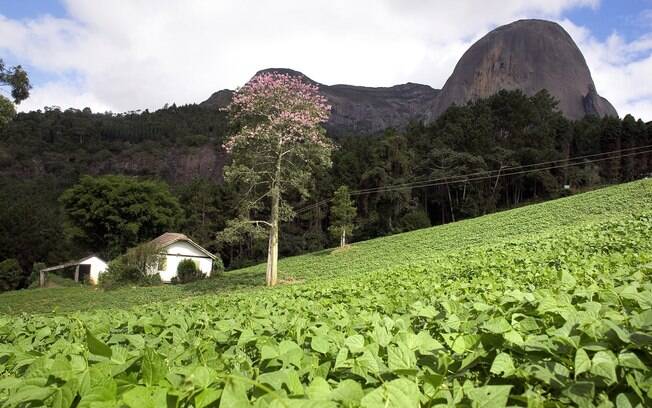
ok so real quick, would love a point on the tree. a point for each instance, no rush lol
(16, 79)
(201, 202)
(342, 215)
(112, 213)
(139, 265)
(11, 275)
(277, 145)
(7, 111)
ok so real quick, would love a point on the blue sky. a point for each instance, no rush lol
(127, 55)
(627, 17)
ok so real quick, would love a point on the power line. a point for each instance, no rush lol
(505, 168)
(509, 171)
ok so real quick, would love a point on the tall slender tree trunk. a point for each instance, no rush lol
(343, 238)
(450, 202)
(272, 250)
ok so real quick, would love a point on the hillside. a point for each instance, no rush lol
(555, 311)
(422, 247)
(44, 153)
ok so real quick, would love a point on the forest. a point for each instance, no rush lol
(492, 154)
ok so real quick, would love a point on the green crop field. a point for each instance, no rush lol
(425, 247)
(543, 306)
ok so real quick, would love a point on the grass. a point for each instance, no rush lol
(422, 247)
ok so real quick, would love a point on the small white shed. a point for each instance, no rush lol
(175, 247)
(88, 268)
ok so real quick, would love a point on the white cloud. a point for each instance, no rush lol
(127, 55)
(620, 69)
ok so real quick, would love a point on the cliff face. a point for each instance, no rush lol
(529, 55)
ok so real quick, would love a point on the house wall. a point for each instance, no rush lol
(98, 266)
(179, 251)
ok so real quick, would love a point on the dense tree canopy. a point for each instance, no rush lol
(112, 213)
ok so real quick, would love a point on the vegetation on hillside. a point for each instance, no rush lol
(422, 247)
(49, 151)
(554, 310)
(111, 214)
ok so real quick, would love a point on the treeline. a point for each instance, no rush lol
(400, 180)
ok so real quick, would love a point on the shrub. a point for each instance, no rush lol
(413, 220)
(137, 266)
(187, 271)
(218, 267)
(11, 275)
(151, 280)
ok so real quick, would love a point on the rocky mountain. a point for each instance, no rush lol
(359, 109)
(530, 55)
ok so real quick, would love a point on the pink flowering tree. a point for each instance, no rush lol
(278, 143)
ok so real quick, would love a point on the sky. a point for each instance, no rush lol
(126, 55)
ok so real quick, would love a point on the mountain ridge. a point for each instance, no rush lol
(530, 55)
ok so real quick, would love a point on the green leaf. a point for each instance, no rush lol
(341, 361)
(623, 402)
(96, 347)
(490, 396)
(61, 368)
(348, 392)
(234, 394)
(465, 343)
(290, 353)
(397, 393)
(604, 365)
(400, 357)
(514, 337)
(320, 344)
(425, 343)
(365, 364)
(145, 397)
(631, 360)
(355, 343)
(319, 389)
(503, 365)
(29, 393)
(582, 362)
(581, 393)
(153, 368)
(497, 325)
(207, 397)
(622, 334)
(200, 377)
(567, 280)
(64, 396)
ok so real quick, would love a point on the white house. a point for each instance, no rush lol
(174, 248)
(88, 268)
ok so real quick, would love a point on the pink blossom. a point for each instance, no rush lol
(279, 107)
